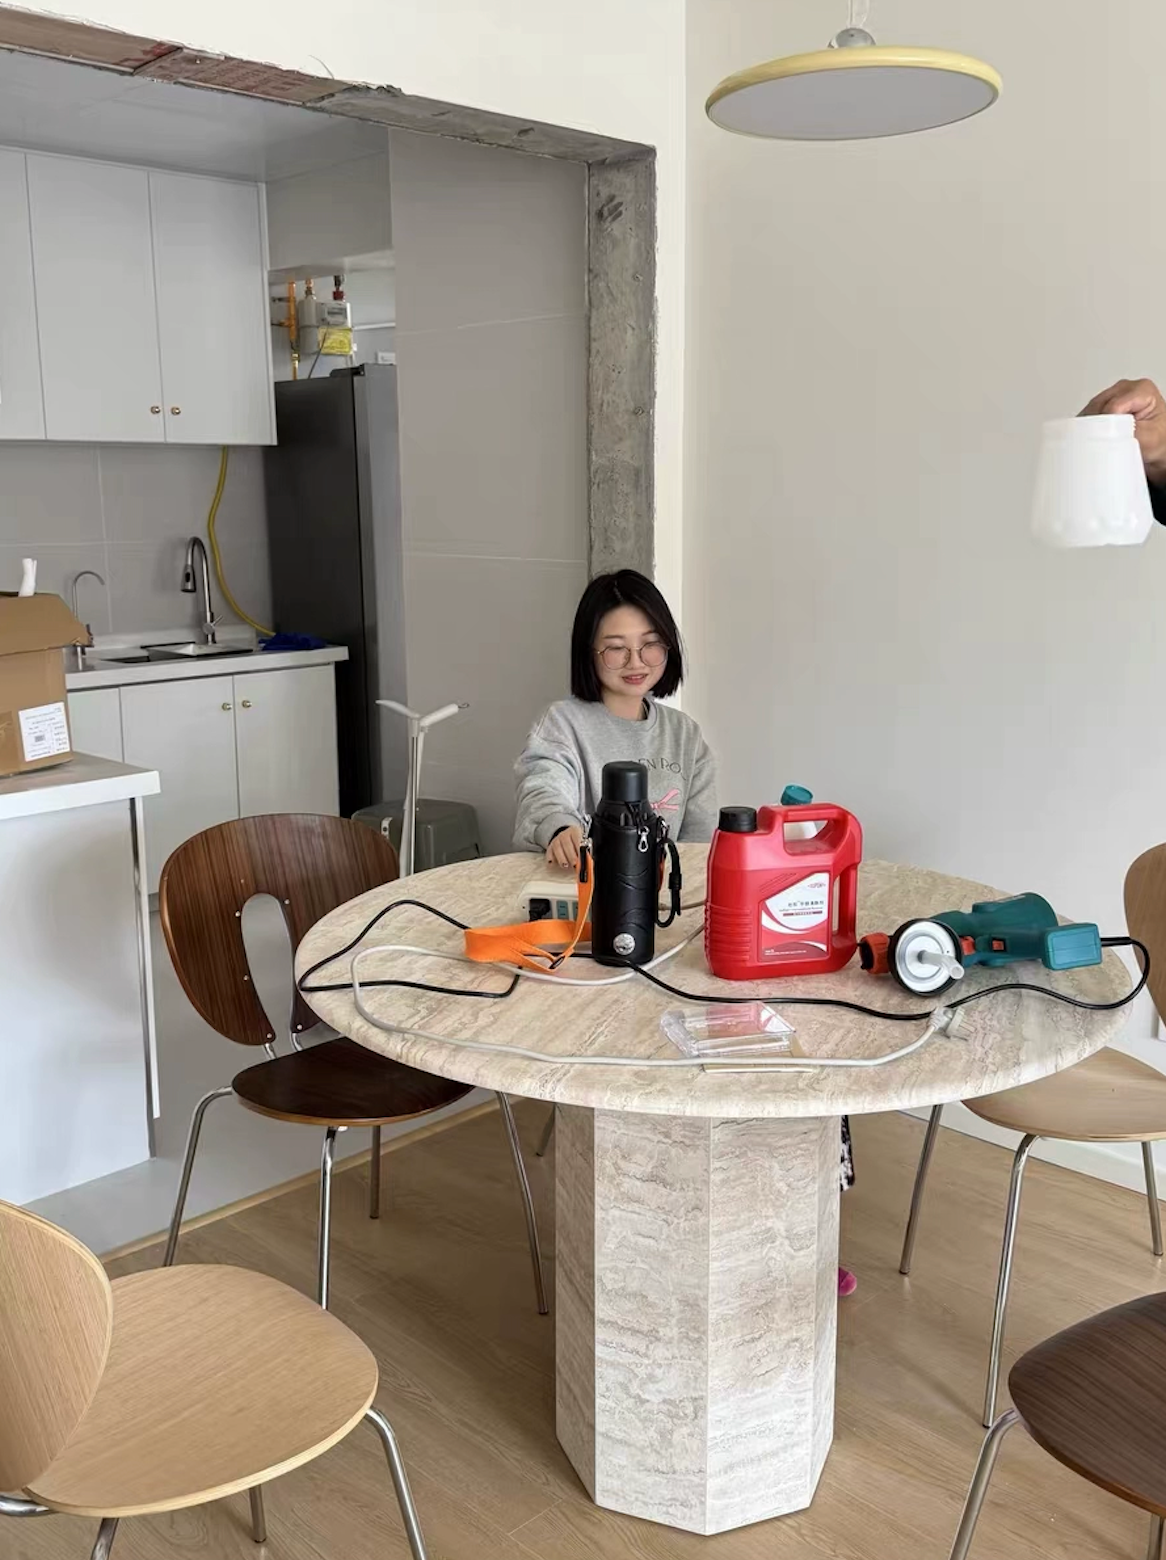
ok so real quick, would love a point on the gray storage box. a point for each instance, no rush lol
(446, 831)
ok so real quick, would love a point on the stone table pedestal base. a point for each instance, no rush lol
(696, 1307)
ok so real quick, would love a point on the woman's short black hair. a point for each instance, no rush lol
(624, 588)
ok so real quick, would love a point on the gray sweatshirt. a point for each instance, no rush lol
(560, 771)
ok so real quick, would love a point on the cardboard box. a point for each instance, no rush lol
(34, 714)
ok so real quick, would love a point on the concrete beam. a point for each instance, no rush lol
(622, 363)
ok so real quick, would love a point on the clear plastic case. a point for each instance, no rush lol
(730, 1030)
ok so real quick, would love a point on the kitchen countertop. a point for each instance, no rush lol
(81, 781)
(116, 674)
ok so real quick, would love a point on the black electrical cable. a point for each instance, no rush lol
(408, 985)
(718, 996)
(914, 1018)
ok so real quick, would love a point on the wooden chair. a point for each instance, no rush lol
(309, 865)
(1093, 1397)
(1109, 1098)
(166, 1389)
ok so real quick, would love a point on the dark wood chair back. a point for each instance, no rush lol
(1145, 897)
(309, 864)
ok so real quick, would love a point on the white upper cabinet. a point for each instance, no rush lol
(147, 299)
(212, 303)
(94, 266)
(22, 413)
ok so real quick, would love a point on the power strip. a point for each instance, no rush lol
(553, 895)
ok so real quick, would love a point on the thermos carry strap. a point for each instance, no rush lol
(536, 945)
(668, 851)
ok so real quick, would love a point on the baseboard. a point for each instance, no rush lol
(309, 1178)
(1118, 1163)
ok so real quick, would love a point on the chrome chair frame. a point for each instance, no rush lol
(1004, 1278)
(324, 1227)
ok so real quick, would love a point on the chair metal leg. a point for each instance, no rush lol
(527, 1202)
(544, 1142)
(192, 1137)
(1154, 1549)
(979, 1488)
(105, 1536)
(1152, 1197)
(925, 1154)
(258, 1515)
(1005, 1277)
(374, 1176)
(324, 1229)
(400, 1482)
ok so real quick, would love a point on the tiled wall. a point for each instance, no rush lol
(127, 511)
(491, 345)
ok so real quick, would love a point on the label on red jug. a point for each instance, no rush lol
(788, 915)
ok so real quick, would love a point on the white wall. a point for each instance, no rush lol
(491, 339)
(876, 332)
(607, 66)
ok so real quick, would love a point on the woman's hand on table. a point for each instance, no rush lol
(563, 851)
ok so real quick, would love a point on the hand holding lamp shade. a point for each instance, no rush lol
(1091, 487)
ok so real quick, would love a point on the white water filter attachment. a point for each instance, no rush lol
(418, 726)
(27, 577)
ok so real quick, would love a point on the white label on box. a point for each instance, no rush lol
(44, 731)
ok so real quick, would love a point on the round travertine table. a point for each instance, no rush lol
(696, 1225)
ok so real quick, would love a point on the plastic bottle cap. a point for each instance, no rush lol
(625, 782)
(796, 796)
(738, 820)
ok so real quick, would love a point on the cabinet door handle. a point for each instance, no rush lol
(226, 706)
(156, 411)
(246, 704)
(176, 411)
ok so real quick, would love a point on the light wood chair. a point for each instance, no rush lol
(1093, 1397)
(1109, 1098)
(309, 865)
(166, 1389)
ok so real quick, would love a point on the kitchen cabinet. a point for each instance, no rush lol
(186, 731)
(213, 334)
(95, 723)
(286, 741)
(225, 746)
(21, 407)
(96, 315)
(151, 303)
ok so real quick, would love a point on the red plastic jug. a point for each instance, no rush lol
(778, 906)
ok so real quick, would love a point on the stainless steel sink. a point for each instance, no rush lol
(191, 651)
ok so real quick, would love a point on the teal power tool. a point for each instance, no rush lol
(928, 956)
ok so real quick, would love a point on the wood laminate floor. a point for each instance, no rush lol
(441, 1290)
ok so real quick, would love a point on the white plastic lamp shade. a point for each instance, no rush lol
(1091, 488)
(853, 94)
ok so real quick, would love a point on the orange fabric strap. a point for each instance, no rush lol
(535, 945)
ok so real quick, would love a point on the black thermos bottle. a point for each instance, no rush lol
(626, 846)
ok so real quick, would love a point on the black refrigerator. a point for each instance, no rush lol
(333, 485)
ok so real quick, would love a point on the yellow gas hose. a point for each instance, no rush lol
(212, 517)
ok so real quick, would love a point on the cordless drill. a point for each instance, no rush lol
(928, 955)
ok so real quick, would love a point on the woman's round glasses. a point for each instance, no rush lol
(617, 657)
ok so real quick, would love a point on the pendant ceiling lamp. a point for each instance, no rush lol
(853, 91)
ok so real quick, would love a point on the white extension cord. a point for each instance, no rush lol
(941, 1023)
